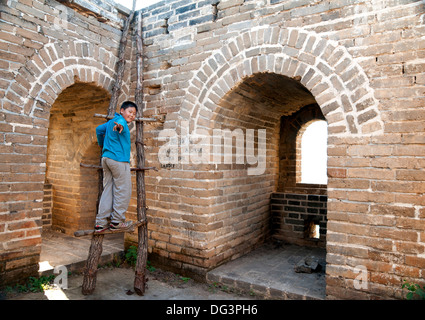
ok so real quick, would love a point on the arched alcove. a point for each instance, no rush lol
(251, 82)
(71, 140)
(280, 106)
(247, 86)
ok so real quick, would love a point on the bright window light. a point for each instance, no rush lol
(314, 153)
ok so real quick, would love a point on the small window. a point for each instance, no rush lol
(313, 230)
(314, 153)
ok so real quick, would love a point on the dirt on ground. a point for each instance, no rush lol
(116, 283)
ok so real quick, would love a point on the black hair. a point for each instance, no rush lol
(128, 104)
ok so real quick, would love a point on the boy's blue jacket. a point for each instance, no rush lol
(116, 146)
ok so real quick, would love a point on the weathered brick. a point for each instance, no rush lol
(363, 65)
(223, 5)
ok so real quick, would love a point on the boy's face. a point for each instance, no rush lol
(129, 114)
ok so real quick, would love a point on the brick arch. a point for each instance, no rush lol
(57, 66)
(71, 141)
(326, 69)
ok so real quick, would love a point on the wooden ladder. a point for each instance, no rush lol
(95, 251)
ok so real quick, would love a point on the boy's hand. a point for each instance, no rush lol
(118, 127)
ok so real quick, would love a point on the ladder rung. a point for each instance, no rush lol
(81, 233)
(91, 166)
(98, 115)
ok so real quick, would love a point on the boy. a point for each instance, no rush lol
(114, 138)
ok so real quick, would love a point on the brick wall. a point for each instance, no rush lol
(223, 65)
(292, 216)
(361, 64)
(44, 49)
(47, 206)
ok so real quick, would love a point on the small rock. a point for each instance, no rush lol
(308, 265)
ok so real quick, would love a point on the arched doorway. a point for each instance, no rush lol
(270, 209)
(235, 89)
(256, 66)
(72, 140)
(280, 107)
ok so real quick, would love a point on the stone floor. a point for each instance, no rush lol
(267, 271)
(59, 249)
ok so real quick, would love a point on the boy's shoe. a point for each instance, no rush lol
(122, 226)
(99, 228)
